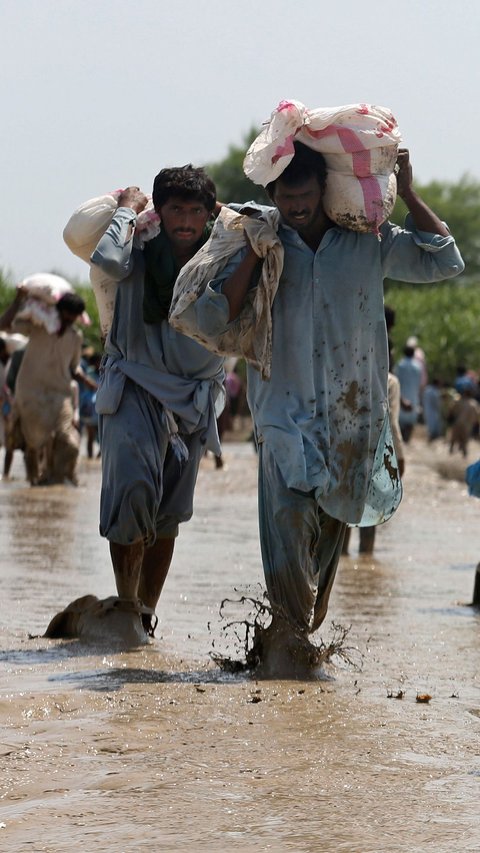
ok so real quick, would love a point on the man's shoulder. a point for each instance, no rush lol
(75, 335)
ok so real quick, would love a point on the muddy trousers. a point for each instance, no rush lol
(52, 454)
(146, 491)
(301, 546)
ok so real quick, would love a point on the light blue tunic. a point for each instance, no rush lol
(177, 371)
(324, 410)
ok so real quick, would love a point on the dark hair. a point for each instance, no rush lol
(409, 352)
(187, 182)
(306, 164)
(389, 317)
(71, 302)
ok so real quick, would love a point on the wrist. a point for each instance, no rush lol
(131, 206)
(251, 255)
(408, 195)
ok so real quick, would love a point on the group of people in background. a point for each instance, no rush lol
(447, 410)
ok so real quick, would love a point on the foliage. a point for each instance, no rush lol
(458, 204)
(91, 333)
(444, 317)
(231, 182)
(6, 290)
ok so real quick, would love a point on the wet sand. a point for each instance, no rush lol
(158, 749)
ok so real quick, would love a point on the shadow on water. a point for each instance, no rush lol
(111, 677)
(55, 653)
(459, 609)
(117, 677)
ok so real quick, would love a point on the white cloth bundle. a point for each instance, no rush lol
(14, 341)
(43, 292)
(359, 143)
(250, 335)
(84, 229)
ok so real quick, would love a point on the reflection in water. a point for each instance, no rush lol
(41, 523)
(366, 584)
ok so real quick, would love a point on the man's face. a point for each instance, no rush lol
(300, 204)
(183, 221)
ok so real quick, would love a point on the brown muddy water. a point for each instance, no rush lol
(157, 749)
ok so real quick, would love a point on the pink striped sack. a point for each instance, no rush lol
(360, 146)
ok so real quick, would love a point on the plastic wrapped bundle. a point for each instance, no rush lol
(43, 291)
(82, 232)
(359, 143)
(14, 341)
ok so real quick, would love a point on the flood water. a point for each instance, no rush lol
(157, 749)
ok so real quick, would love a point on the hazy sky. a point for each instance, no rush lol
(98, 94)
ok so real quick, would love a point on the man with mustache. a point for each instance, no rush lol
(159, 393)
(326, 454)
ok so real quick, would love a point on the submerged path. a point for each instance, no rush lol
(156, 748)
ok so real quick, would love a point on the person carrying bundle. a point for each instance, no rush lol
(326, 456)
(159, 393)
(43, 394)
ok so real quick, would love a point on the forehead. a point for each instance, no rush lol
(184, 202)
(308, 185)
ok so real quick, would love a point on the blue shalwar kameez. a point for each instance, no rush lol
(321, 421)
(158, 399)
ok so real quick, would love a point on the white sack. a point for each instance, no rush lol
(46, 287)
(105, 290)
(360, 146)
(43, 292)
(82, 233)
(14, 341)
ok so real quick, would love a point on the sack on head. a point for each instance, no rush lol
(359, 143)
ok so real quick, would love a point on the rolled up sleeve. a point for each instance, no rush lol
(113, 253)
(417, 256)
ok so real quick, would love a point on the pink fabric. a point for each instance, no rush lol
(285, 149)
(361, 160)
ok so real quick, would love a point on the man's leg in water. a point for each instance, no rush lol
(134, 441)
(127, 564)
(179, 479)
(301, 547)
(146, 492)
(140, 571)
(154, 569)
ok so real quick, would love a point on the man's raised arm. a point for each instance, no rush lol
(424, 218)
(235, 287)
(114, 249)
